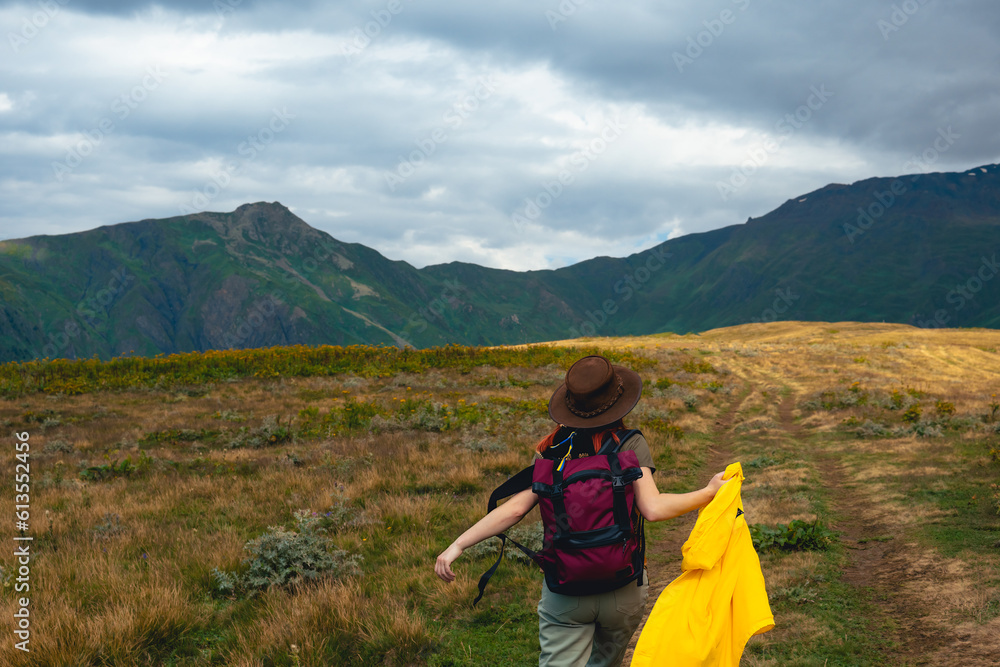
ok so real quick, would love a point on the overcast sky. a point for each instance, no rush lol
(523, 134)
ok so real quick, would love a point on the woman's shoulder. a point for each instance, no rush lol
(637, 443)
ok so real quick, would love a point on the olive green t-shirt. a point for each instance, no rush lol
(638, 444)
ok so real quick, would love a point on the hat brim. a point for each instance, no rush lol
(632, 391)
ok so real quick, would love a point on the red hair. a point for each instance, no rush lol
(597, 436)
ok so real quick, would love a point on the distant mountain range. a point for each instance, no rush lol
(918, 249)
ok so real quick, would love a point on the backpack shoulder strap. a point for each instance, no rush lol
(610, 443)
(515, 484)
(610, 448)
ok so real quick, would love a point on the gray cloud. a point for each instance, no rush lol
(380, 88)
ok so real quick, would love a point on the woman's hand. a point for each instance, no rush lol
(494, 523)
(443, 566)
(716, 483)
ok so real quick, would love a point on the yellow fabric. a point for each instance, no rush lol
(706, 615)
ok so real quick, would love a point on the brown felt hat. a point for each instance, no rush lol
(595, 393)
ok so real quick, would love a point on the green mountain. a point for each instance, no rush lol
(917, 249)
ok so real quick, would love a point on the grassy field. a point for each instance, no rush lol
(157, 502)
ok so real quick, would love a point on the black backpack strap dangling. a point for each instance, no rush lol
(515, 484)
(641, 555)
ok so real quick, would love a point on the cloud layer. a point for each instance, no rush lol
(515, 135)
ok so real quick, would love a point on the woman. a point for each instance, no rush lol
(591, 630)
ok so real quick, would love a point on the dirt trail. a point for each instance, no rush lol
(875, 562)
(879, 562)
(671, 544)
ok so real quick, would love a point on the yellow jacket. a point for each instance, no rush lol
(706, 615)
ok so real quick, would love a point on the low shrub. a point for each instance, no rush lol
(698, 366)
(761, 462)
(270, 432)
(944, 408)
(838, 399)
(964, 423)
(287, 559)
(391, 424)
(115, 469)
(797, 535)
(230, 416)
(58, 446)
(665, 426)
(912, 414)
(713, 386)
(176, 435)
(342, 514)
(41, 417)
(894, 400)
(430, 418)
(110, 527)
(686, 396)
(870, 429)
(927, 429)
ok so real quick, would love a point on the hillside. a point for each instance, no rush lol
(916, 249)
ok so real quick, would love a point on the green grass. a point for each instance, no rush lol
(852, 633)
(499, 634)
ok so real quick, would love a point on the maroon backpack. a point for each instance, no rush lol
(594, 540)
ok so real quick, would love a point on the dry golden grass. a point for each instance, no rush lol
(795, 628)
(199, 503)
(304, 624)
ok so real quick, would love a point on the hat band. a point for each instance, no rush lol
(571, 402)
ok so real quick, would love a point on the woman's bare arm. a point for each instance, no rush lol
(656, 506)
(494, 523)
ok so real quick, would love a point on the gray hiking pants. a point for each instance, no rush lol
(589, 630)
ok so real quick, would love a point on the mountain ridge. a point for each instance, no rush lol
(902, 249)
